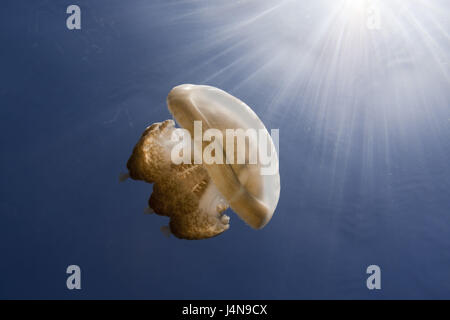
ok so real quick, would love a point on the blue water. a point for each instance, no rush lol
(364, 119)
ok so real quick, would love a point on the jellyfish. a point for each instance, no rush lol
(195, 195)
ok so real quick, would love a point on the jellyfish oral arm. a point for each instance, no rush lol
(183, 192)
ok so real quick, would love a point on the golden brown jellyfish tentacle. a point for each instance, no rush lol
(150, 158)
(184, 192)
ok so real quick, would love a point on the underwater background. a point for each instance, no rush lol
(364, 119)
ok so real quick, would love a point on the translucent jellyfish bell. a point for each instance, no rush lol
(252, 195)
(194, 195)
